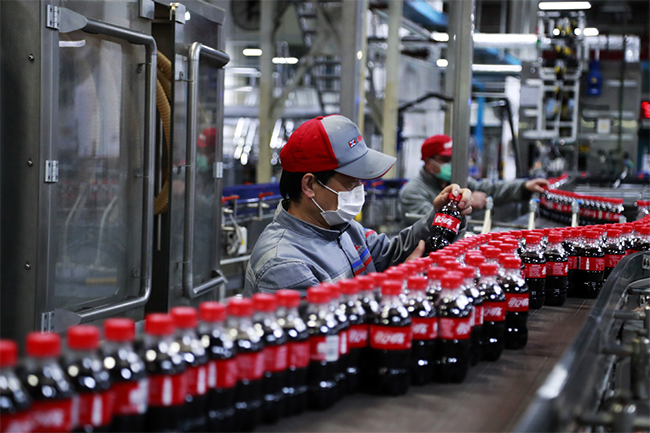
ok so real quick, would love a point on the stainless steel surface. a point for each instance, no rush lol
(353, 59)
(267, 38)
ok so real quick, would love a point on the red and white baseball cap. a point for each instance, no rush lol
(436, 145)
(333, 143)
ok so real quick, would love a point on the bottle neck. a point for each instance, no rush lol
(114, 346)
(555, 246)
(287, 312)
(591, 242)
(489, 279)
(390, 299)
(509, 272)
(317, 307)
(345, 299)
(262, 316)
(533, 247)
(416, 293)
(239, 322)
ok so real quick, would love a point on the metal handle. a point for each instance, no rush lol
(196, 51)
(71, 21)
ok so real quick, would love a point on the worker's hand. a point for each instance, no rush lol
(478, 199)
(417, 253)
(465, 204)
(537, 185)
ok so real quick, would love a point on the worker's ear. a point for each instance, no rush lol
(308, 181)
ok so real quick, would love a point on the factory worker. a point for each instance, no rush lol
(313, 237)
(416, 196)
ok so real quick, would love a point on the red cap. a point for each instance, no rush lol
(318, 295)
(83, 337)
(613, 233)
(211, 311)
(512, 263)
(119, 329)
(644, 230)
(265, 302)
(555, 238)
(436, 145)
(377, 278)
(332, 289)
(288, 298)
(366, 282)
(507, 248)
(474, 260)
(240, 307)
(349, 287)
(488, 269)
(417, 283)
(395, 273)
(391, 287)
(159, 324)
(8, 353)
(491, 252)
(43, 345)
(208, 138)
(533, 239)
(436, 256)
(591, 234)
(503, 257)
(625, 228)
(451, 281)
(184, 317)
(467, 271)
(546, 231)
(436, 273)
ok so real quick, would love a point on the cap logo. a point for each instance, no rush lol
(352, 142)
(448, 144)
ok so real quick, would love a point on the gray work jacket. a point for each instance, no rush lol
(416, 197)
(293, 254)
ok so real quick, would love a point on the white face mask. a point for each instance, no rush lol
(349, 206)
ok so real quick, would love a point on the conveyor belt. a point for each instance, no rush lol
(492, 398)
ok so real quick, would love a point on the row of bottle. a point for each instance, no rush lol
(556, 205)
(643, 208)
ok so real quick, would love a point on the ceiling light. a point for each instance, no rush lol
(442, 63)
(252, 52)
(498, 38)
(440, 37)
(496, 68)
(285, 60)
(564, 6)
(577, 31)
(590, 31)
(556, 32)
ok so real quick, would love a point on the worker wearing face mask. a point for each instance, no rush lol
(415, 197)
(313, 237)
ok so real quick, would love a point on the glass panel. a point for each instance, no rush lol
(98, 196)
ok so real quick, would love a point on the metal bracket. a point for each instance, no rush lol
(645, 264)
(53, 17)
(51, 171)
(47, 321)
(218, 170)
(177, 12)
(147, 9)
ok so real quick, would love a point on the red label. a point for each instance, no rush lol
(425, 329)
(611, 260)
(51, 416)
(455, 328)
(557, 269)
(95, 409)
(222, 373)
(566, 208)
(130, 397)
(344, 347)
(275, 358)
(494, 311)
(324, 348)
(573, 262)
(591, 263)
(358, 336)
(535, 270)
(17, 423)
(390, 337)
(166, 390)
(250, 366)
(446, 221)
(478, 315)
(517, 302)
(197, 380)
(299, 354)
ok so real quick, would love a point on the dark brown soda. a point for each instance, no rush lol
(589, 282)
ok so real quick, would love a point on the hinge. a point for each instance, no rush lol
(51, 171)
(218, 170)
(47, 321)
(53, 14)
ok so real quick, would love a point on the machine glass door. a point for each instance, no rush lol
(99, 195)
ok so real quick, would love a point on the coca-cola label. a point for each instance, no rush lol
(131, 397)
(455, 328)
(197, 380)
(299, 354)
(478, 315)
(167, 390)
(573, 262)
(51, 415)
(358, 336)
(591, 263)
(17, 423)
(324, 348)
(535, 270)
(95, 409)
(557, 269)
(611, 260)
(494, 311)
(391, 337)
(222, 373)
(446, 221)
(344, 347)
(517, 302)
(275, 358)
(425, 329)
(566, 208)
(250, 366)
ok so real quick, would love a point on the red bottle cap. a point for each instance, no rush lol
(8, 353)
(503, 257)
(436, 273)
(83, 337)
(265, 302)
(159, 324)
(333, 290)
(467, 271)
(546, 231)
(417, 283)
(533, 239)
(592, 234)
(391, 287)
(119, 329)
(288, 298)
(451, 281)
(365, 282)
(377, 278)
(491, 252)
(43, 345)
(184, 317)
(455, 198)
(474, 260)
(488, 269)
(644, 230)
(240, 307)
(395, 273)
(436, 256)
(554, 238)
(512, 263)
(613, 233)
(211, 311)
(349, 287)
(318, 295)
